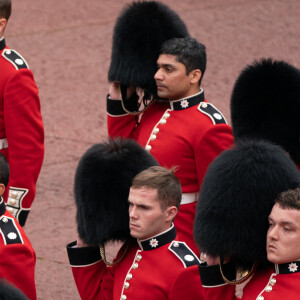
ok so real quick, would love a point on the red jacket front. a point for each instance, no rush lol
(151, 269)
(274, 283)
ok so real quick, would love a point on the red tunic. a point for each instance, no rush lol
(188, 133)
(17, 257)
(278, 282)
(150, 270)
(21, 131)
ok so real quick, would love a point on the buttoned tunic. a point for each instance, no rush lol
(275, 283)
(149, 269)
(188, 133)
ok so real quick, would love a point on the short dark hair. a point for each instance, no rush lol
(5, 9)
(188, 52)
(289, 199)
(4, 170)
(167, 184)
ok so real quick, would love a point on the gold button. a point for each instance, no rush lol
(138, 257)
(135, 266)
(166, 115)
(156, 130)
(14, 195)
(153, 137)
(176, 244)
(12, 201)
(268, 288)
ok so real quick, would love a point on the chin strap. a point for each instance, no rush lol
(103, 255)
(249, 275)
(137, 103)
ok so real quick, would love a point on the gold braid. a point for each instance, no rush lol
(243, 279)
(102, 252)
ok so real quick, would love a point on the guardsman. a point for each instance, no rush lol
(150, 261)
(21, 125)
(231, 225)
(175, 124)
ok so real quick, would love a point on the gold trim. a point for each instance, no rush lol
(243, 279)
(103, 255)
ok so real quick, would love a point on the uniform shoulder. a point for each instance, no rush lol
(10, 232)
(184, 253)
(13, 57)
(212, 112)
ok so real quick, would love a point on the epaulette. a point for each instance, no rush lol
(184, 253)
(15, 59)
(211, 111)
(9, 231)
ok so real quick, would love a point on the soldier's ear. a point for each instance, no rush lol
(2, 189)
(3, 23)
(171, 213)
(195, 76)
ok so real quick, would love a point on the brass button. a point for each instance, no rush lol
(135, 266)
(129, 276)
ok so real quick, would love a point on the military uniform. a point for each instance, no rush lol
(188, 133)
(21, 131)
(149, 270)
(278, 282)
(17, 257)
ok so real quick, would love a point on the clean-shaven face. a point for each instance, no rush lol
(283, 238)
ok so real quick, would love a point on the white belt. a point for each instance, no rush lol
(189, 198)
(3, 144)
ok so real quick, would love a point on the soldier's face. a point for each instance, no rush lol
(146, 218)
(171, 79)
(283, 238)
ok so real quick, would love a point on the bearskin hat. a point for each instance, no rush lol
(101, 188)
(139, 32)
(10, 292)
(265, 103)
(236, 198)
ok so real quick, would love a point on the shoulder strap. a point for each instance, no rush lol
(15, 59)
(184, 253)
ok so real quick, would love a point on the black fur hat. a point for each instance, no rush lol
(102, 181)
(139, 32)
(265, 103)
(236, 198)
(10, 292)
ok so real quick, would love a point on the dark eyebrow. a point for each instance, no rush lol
(165, 66)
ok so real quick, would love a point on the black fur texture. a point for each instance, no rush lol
(139, 32)
(265, 103)
(236, 198)
(10, 292)
(102, 181)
